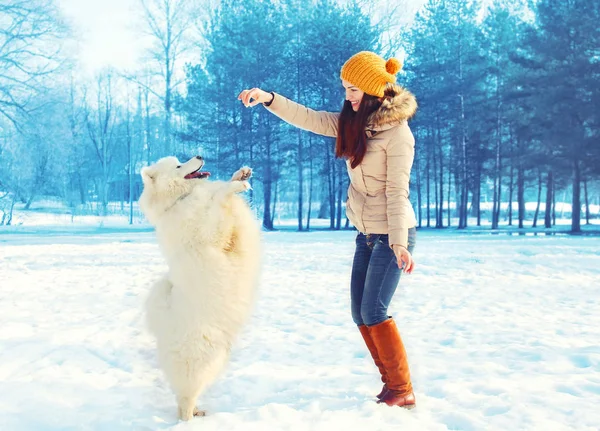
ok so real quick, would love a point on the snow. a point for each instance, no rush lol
(501, 331)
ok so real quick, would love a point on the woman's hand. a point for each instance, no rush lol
(254, 96)
(404, 258)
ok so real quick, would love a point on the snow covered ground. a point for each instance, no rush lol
(502, 332)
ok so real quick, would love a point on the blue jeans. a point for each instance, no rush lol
(375, 276)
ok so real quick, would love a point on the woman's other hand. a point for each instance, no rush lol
(254, 96)
(404, 258)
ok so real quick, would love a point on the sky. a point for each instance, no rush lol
(105, 33)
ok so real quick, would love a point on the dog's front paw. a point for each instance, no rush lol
(246, 173)
(242, 174)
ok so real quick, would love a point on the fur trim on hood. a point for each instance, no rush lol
(398, 105)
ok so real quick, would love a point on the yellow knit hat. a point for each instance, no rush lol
(369, 72)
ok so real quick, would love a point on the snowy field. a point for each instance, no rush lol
(502, 333)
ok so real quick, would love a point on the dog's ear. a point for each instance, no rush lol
(148, 175)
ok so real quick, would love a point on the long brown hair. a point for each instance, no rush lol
(351, 141)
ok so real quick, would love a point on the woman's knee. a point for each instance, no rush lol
(370, 318)
(357, 318)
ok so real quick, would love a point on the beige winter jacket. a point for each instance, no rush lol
(379, 186)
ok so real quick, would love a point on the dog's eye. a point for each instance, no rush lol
(178, 166)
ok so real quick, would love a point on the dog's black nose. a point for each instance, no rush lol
(199, 157)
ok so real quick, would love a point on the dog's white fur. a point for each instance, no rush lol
(211, 242)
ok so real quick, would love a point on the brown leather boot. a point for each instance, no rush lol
(390, 348)
(364, 331)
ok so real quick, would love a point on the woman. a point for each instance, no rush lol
(373, 136)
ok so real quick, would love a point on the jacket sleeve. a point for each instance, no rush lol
(319, 122)
(399, 159)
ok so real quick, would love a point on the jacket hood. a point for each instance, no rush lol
(398, 105)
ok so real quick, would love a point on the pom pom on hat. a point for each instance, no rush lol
(393, 66)
(369, 72)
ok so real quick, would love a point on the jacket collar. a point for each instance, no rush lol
(398, 105)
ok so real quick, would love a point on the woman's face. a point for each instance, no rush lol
(353, 95)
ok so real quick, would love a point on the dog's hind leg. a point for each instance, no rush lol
(201, 372)
(186, 408)
(187, 388)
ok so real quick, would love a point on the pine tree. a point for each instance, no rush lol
(561, 87)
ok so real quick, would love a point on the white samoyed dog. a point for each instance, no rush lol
(212, 245)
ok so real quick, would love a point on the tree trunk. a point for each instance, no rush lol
(267, 218)
(549, 203)
(553, 206)
(496, 193)
(440, 214)
(449, 195)
(587, 201)
(464, 195)
(324, 189)
(428, 179)
(340, 182)
(539, 199)
(419, 193)
(437, 186)
(31, 198)
(122, 196)
(274, 204)
(147, 134)
(167, 105)
(576, 212)
(82, 191)
(476, 198)
(332, 175)
(499, 188)
(521, 193)
(104, 181)
(498, 174)
(300, 155)
(310, 181)
(299, 167)
(440, 223)
(324, 205)
(268, 185)
(130, 161)
(511, 186)
(7, 217)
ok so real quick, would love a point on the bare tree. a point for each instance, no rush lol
(100, 123)
(31, 34)
(133, 140)
(8, 182)
(169, 24)
(392, 18)
(76, 161)
(40, 143)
